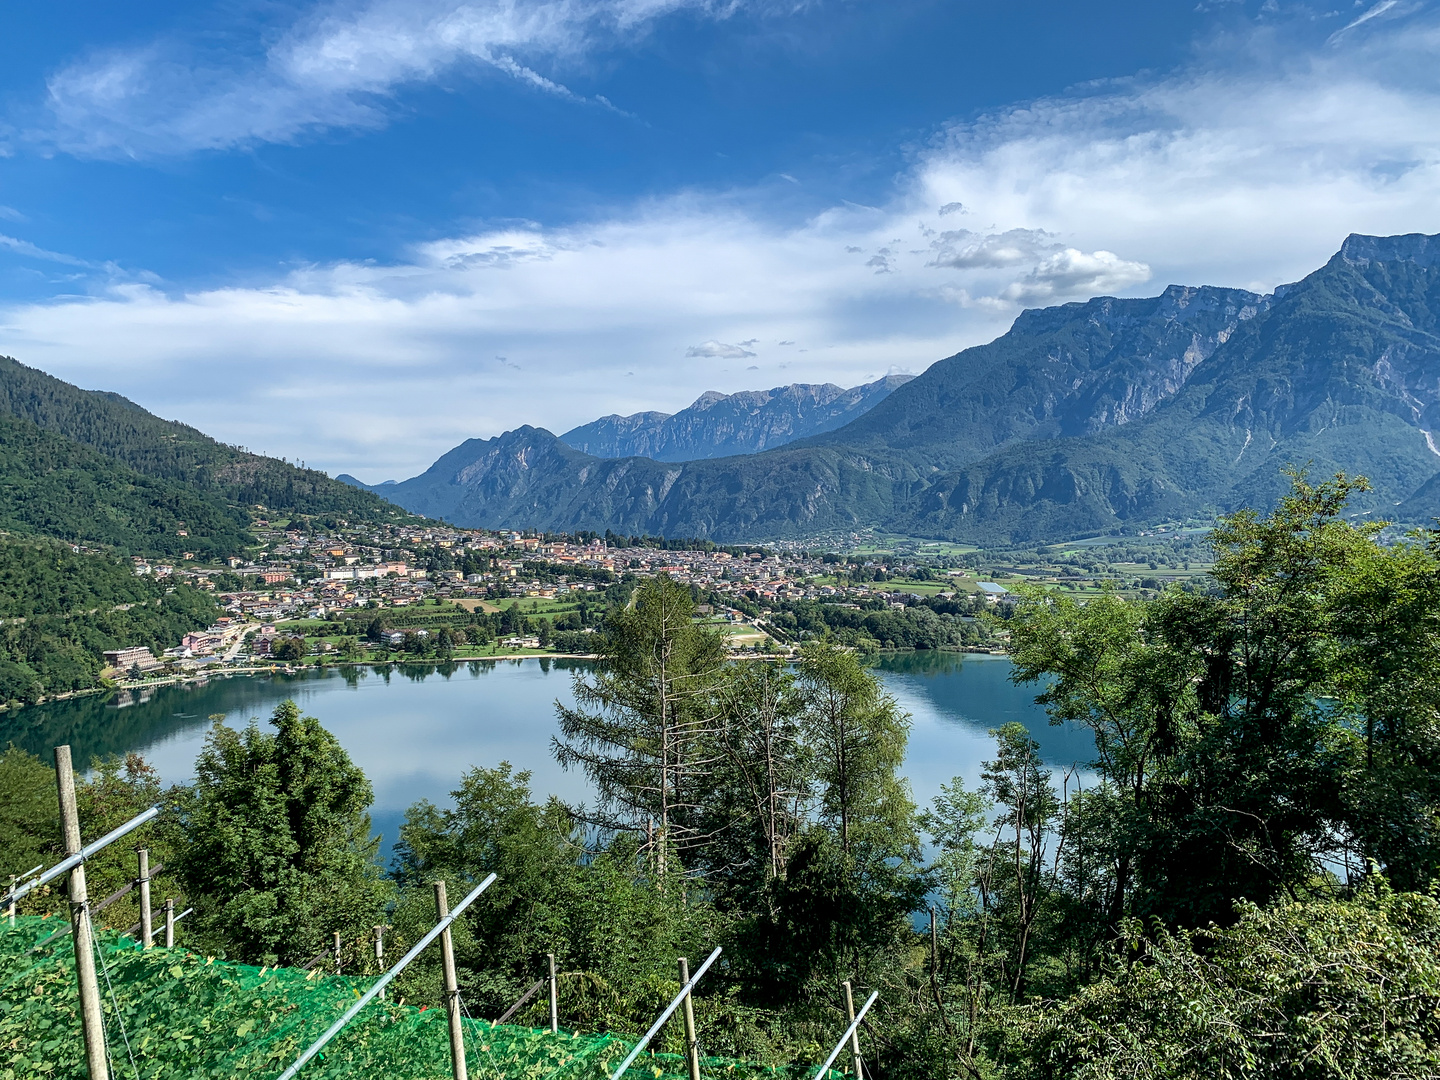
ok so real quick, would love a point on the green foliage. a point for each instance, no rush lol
(642, 718)
(64, 608)
(57, 487)
(274, 846)
(175, 457)
(1313, 990)
(29, 826)
(1231, 774)
(186, 1015)
(856, 735)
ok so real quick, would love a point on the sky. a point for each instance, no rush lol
(355, 234)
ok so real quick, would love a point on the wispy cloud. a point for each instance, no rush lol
(1372, 13)
(26, 248)
(338, 68)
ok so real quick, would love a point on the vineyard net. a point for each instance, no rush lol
(177, 1014)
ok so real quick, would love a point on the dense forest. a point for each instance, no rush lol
(61, 608)
(53, 486)
(80, 428)
(1238, 885)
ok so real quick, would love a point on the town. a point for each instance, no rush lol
(429, 591)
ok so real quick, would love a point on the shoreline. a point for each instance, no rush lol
(287, 669)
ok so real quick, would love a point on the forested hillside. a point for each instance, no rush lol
(165, 450)
(54, 486)
(61, 609)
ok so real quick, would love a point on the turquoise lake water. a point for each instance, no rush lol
(415, 730)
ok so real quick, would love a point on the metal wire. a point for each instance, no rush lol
(115, 1004)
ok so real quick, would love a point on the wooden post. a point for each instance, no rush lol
(554, 997)
(169, 922)
(92, 1021)
(854, 1035)
(452, 990)
(380, 954)
(692, 1045)
(337, 952)
(147, 929)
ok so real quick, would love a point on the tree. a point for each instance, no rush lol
(761, 786)
(1018, 782)
(1252, 735)
(29, 813)
(289, 648)
(274, 846)
(857, 736)
(642, 726)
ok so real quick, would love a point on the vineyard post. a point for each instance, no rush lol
(692, 1044)
(169, 922)
(554, 996)
(91, 1020)
(854, 1030)
(147, 928)
(337, 952)
(11, 906)
(452, 989)
(380, 953)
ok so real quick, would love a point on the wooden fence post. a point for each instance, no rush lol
(380, 954)
(692, 1044)
(452, 990)
(855, 1034)
(554, 996)
(92, 1022)
(147, 929)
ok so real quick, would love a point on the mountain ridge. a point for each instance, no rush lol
(723, 425)
(1082, 418)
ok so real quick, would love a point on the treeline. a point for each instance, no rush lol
(1238, 885)
(62, 609)
(438, 634)
(921, 623)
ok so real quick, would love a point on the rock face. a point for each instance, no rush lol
(1082, 418)
(722, 425)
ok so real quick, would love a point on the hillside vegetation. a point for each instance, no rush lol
(62, 609)
(178, 456)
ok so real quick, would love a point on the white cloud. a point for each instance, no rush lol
(719, 350)
(335, 69)
(1247, 168)
(965, 250)
(1070, 273)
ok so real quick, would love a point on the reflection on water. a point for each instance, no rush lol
(414, 729)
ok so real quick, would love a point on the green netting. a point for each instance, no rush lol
(185, 1015)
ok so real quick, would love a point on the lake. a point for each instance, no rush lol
(414, 730)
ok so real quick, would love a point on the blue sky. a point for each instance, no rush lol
(358, 233)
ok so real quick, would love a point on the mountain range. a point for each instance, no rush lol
(1083, 418)
(722, 425)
